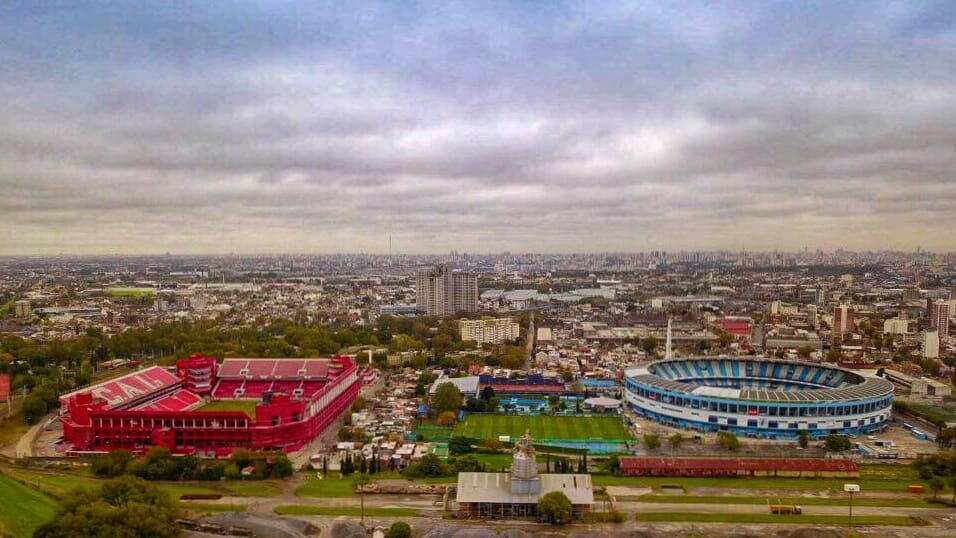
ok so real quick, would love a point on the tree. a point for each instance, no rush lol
(487, 393)
(952, 486)
(555, 508)
(947, 438)
(837, 442)
(676, 440)
(612, 465)
(429, 466)
(360, 480)
(124, 506)
(347, 467)
(111, 464)
(834, 355)
(728, 441)
(446, 418)
(649, 344)
(804, 352)
(33, 409)
(447, 398)
(804, 439)
(936, 485)
(460, 444)
(399, 529)
(652, 441)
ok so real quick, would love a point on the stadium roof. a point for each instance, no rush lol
(129, 387)
(465, 385)
(496, 488)
(869, 387)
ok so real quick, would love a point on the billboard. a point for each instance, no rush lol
(4, 387)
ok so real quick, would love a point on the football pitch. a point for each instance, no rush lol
(543, 427)
(248, 406)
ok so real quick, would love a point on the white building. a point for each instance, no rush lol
(489, 330)
(896, 326)
(931, 344)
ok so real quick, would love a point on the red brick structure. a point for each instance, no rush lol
(153, 407)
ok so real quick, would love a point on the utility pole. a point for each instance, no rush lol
(851, 489)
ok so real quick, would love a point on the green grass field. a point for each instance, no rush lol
(58, 485)
(254, 490)
(329, 486)
(542, 427)
(902, 521)
(211, 508)
(22, 509)
(246, 406)
(310, 510)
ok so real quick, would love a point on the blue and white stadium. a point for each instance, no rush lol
(758, 397)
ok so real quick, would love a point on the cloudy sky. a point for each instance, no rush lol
(312, 127)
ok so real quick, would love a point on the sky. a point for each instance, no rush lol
(530, 126)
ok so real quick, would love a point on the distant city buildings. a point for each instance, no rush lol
(443, 292)
(489, 330)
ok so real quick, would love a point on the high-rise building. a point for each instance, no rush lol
(931, 344)
(443, 292)
(937, 316)
(842, 321)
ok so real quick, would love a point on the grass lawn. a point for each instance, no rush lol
(543, 427)
(22, 509)
(208, 508)
(903, 521)
(802, 501)
(253, 490)
(246, 406)
(58, 485)
(309, 510)
(326, 487)
(12, 429)
(495, 462)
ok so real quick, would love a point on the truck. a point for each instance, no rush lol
(785, 509)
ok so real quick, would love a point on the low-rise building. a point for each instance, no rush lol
(489, 330)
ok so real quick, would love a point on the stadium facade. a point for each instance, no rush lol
(298, 399)
(758, 397)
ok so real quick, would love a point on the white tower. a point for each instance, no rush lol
(667, 347)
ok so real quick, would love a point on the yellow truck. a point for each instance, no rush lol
(785, 509)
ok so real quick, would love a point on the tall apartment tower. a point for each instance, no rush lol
(842, 321)
(443, 292)
(938, 316)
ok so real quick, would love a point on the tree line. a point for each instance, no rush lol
(159, 464)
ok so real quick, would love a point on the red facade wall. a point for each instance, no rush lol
(281, 424)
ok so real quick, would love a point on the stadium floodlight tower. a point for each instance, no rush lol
(524, 469)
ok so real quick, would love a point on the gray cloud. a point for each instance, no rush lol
(315, 128)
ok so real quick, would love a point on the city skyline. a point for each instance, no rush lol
(429, 127)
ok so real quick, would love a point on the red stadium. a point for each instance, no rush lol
(294, 399)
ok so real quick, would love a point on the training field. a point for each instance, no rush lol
(543, 427)
(22, 509)
(249, 406)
